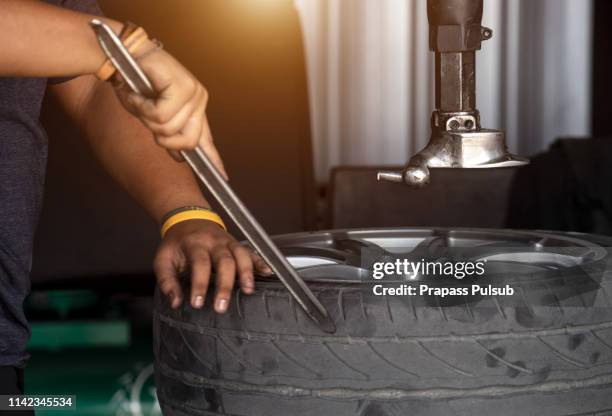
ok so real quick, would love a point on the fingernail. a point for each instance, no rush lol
(247, 289)
(176, 301)
(268, 271)
(221, 305)
(198, 302)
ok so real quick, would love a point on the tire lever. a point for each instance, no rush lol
(209, 175)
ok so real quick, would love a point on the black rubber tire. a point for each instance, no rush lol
(389, 358)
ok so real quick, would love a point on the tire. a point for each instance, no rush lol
(547, 353)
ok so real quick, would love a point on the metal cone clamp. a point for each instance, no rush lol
(457, 139)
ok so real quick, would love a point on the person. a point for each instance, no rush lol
(49, 46)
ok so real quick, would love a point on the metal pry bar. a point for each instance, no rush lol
(218, 187)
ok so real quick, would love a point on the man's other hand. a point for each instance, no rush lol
(198, 246)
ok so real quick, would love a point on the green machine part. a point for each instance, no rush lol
(102, 362)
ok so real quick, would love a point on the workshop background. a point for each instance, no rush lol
(299, 88)
(309, 99)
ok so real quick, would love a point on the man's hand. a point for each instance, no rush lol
(177, 117)
(198, 246)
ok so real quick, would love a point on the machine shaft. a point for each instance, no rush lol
(456, 81)
(455, 34)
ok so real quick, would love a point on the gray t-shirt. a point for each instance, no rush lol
(23, 158)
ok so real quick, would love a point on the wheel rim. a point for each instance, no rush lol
(335, 256)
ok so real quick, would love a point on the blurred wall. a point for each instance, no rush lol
(250, 57)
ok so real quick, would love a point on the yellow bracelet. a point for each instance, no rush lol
(192, 214)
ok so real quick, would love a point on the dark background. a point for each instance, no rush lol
(602, 69)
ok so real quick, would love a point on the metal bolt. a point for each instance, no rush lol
(454, 125)
(469, 124)
(487, 33)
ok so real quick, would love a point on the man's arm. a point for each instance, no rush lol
(160, 184)
(41, 40)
